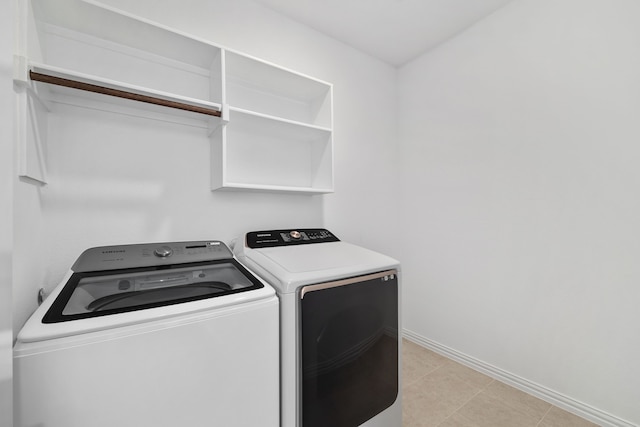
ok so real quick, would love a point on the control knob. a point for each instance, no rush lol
(163, 251)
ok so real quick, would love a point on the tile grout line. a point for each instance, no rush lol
(490, 394)
(514, 407)
(467, 401)
(557, 400)
(468, 419)
(434, 368)
(460, 407)
(484, 388)
(405, 384)
(544, 416)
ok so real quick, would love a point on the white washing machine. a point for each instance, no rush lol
(340, 323)
(150, 335)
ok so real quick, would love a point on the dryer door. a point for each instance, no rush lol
(349, 335)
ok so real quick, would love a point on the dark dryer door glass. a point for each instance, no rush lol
(349, 349)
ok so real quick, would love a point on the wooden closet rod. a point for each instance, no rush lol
(45, 78)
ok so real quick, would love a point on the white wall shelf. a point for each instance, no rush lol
(270, 128)
(254, 85)
(260, 152)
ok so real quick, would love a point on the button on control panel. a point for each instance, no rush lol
(163, 251)
(301, 236)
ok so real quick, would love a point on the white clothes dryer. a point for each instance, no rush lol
(150, 335)
(340, 323)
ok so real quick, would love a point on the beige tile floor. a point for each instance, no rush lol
(440, 392)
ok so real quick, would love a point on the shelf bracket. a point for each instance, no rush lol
(215, 124)
(21, 79)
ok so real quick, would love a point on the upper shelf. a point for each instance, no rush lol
(103, 45)
(258, 86)
(271, 128)
(107, 24)
(109, 52)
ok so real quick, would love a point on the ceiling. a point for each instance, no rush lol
(395, 31)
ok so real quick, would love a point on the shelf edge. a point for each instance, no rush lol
(280, 119)
(273, 189)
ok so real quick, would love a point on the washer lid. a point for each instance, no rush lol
(94, 294)
(87, 301)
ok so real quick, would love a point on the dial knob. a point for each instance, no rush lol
(295, 234)
(163, 251)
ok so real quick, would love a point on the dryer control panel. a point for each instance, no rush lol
(299, 236)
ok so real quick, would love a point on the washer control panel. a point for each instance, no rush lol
(150, 254)
(299, 236)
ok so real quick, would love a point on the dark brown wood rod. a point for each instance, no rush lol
(45, 78)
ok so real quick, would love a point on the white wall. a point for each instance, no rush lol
(6, 213)
(117, 179)
(520, 152)
(363, 209)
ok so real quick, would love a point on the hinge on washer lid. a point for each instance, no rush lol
(41, 295)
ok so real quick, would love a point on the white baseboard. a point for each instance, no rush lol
(565, 402)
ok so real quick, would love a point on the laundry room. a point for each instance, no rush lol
(498, 166)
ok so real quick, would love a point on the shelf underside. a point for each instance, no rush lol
(274, 188)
